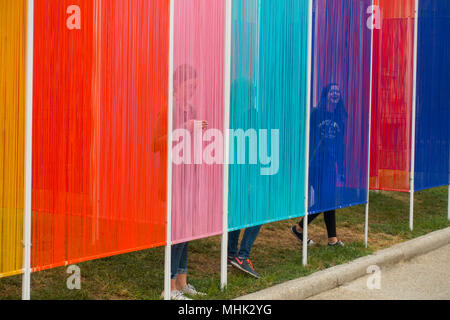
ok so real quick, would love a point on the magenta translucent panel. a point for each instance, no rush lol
(198, 99)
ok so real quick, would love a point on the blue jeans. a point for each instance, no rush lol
(179, 254)
(249, 238)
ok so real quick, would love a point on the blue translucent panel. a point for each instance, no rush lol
(432, 160)
(340, 104)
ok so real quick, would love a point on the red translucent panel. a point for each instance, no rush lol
(98, 180)
(393, 53)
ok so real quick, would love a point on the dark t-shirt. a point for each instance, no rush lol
(327, 140)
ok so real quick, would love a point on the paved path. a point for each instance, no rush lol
(423, 278)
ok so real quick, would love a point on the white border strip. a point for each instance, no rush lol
(167, 262)
(226, 124)
(26, 284)
(308, 125)
(413, 124)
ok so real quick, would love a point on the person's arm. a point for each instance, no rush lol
(314, 140)
(193, 122)
(340, 159)
(160, 137)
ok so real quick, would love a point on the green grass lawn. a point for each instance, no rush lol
(276, 255)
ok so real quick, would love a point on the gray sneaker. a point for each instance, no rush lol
(178, 295)
(336, 244)
(245, 266)
(190, 290)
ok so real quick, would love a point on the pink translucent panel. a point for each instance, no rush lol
(198, 98)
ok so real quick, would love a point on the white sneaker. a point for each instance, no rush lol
(178, 295)
(190, 290)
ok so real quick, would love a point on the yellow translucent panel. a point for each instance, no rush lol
(12, 129)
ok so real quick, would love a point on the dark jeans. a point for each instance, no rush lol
(179, 254)
(249, 238)
(330, 222)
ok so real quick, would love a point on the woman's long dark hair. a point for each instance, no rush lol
(340, 112)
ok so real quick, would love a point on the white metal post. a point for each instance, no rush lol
(167, 264)
(366, 216)
(307, 129)
(26, 280)
(226, 123)
(413, 124)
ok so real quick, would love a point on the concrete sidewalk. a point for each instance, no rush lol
(332, 278)
(425, 277)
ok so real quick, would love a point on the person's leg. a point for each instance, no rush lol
(181, 281)
(297, 230)
(311, 218)
(330, 222)
(176, 252)
(247, 242)
(233, 240)
(242, 261)
(182, 267)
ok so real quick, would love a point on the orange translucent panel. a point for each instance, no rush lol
(12, 129)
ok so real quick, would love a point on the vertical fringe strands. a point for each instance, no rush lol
(340, 104)
(268, 92)
(432, 160)
(197, 174)
(100, 96)
(12, 133)
(393, 62)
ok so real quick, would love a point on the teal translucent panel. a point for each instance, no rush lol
(268, 111)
